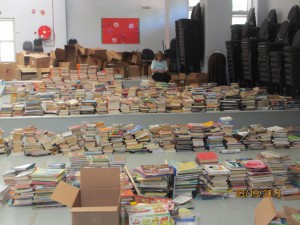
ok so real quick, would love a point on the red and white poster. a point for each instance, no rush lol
(120, 31)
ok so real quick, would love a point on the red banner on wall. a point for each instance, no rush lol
(120, 31)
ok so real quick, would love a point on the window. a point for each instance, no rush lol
(239, 10)
(7, 40)
(192, 3)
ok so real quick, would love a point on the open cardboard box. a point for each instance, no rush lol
(97, 202)
(265, 212)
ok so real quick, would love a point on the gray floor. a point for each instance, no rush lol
(213, 212)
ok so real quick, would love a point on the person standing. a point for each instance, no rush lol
(159, 68)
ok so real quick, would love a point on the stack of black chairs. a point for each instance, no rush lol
(171, 54)
(234, 48)
(292, 66)
(271, 53)
(188, 45)
(267, 32)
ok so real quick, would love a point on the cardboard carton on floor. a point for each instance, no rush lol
(97, 202)
(39, 61)
(70, 65)
(26, 73)
(265, 212)
(113, 56)
(97, 53)
(8, 71)
(133, 71)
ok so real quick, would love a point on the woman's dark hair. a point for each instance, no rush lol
(159, 53)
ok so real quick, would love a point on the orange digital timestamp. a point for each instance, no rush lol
(258, 193)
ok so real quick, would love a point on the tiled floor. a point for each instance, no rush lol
(214, 212)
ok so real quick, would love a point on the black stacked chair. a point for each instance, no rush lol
(292, 66)
(267, 32)
(234, 48)
(147, 57)
(271, 57)
(188, 45)
(172, 55)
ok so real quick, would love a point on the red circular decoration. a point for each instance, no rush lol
(33, 11)
(43, 12)
(44, 32)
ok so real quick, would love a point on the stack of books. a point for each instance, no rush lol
(215, 138)
(199, 99)
(6, 110)
(113, 104)
(294, 137)
(206, 158)
(101, 107)
(237, 177)
(262, 102)
(277, 103)
(4, 194)
(185, 217)
(166, 138)
(43, 183)
(33, 106)
(72, 141)
(73, 106)
(231, 102)
(78, 160)
(117, 161)
(197, 135)
(154, 180)
(104, 139)
(88, 107)
(183, 139)
(18, 179)
(16, 141)
(252, 140)
(212, 101)
(279, 137)
(278, 164)
(292, 104)
(63, 109)
(2, 143)
(186, 177)
(18, 109)
(259, 176)
(215, 178)
(116, 139)
(101, 161)
(90, 135)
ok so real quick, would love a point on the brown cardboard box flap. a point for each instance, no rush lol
(65, 194)
(265, 212)
(100, 178)
(94, 209)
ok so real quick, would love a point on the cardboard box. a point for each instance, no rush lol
(113, 56)
(60, 54)
(203, 78)
(136, 58)
(119, 68)
(265, 212)
(39, 61)
(97, 52)
(133, 71)
(71, 53)
(70, 65)
(94, 61)
(8, 71)
(97, 202)
(26, 73)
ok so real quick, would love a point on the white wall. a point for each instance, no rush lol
(84, 22)
(282, 7)
(178, 9)
(217, 21)
(27, 23)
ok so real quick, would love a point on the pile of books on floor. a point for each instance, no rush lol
(101, 161)
(214, 137)
(44, 181)
(154, 180)
(186, 177)
(4, 194)
(78, 160)
(33, 106)
(256, 134)
(183, 139)
(215, 178)
(18, 179)
(237, 177)
(197, 135)
(294, 137)
(3, 148)
(279, 137)
(259, 175)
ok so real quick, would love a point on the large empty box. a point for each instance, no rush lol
(39, 61)
(97, 202)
